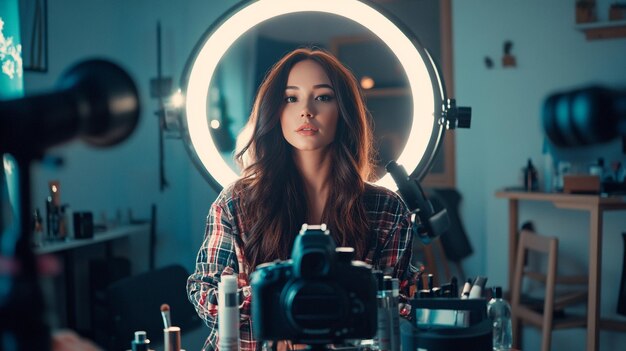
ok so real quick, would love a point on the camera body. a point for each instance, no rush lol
(319, 296)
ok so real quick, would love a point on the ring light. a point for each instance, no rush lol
(426, 87)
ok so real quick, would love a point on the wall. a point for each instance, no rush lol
(552, 56)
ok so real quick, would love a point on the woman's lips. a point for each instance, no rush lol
(307, 129)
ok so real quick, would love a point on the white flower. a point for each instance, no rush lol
(10, 55)
(8, 68)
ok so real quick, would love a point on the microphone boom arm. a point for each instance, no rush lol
(431, 224)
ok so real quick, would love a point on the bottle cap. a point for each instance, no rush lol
(140, 336)
(395, 286)
(379, 280)
(496, 292)
(228, 284)
(388, 285)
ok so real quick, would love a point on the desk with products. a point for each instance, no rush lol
(67, 248)
(596, 205)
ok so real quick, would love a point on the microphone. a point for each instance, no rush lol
(431, 224)
(585, 116)
(96, 101)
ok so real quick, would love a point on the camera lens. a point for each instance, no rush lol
(315, 306)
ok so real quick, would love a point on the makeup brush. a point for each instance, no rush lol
(165, 313)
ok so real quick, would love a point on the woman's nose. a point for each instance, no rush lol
(307, 111)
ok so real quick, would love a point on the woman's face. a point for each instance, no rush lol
(310, 113)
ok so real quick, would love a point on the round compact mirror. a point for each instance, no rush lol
(402, 86)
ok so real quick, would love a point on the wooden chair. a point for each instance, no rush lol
(537, 312)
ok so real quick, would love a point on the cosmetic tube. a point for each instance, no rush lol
(228, 314)
(394, 316)
(383, 335)
(477, 288)
(454, 287)
(171, 339)
(466, 289)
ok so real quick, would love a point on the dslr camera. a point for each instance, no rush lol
(319, 296)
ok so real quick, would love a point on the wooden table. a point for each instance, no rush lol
(596, 206)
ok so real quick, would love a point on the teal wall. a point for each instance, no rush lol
(552, 55)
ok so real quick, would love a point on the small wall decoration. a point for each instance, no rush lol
(508, 60)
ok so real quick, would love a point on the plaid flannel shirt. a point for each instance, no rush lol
(221, 254)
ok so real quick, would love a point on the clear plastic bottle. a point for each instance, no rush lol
(499, 311)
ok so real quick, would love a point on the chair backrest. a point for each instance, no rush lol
(135, 304)
(533, 242)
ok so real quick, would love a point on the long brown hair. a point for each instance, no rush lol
(271, 190)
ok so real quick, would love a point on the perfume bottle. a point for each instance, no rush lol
(530, 177)
(37, 228)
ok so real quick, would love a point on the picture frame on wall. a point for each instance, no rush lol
(34, 28)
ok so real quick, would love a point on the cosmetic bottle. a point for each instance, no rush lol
(467, 287)
(382, 342)
(141, 341)
(52, 219)
(548, 169)
(37, 227)
(392, 287)
(499, 311)
(63, 222)
(454, 287)
(530, 177)
(228, 312)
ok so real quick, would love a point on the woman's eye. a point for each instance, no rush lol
(324, 98)
(290, 99)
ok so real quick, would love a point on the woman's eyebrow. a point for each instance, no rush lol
(317, 86)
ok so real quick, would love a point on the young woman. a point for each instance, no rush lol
(308, 161)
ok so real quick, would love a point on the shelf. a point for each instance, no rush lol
(603, 30)
(570, 201)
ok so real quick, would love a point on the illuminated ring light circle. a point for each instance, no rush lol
(427, 90)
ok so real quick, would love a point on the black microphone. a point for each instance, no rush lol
(431, 224)
(585, 116)
(96, 101)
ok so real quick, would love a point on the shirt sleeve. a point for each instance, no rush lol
(217, 256)
(396, 255)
